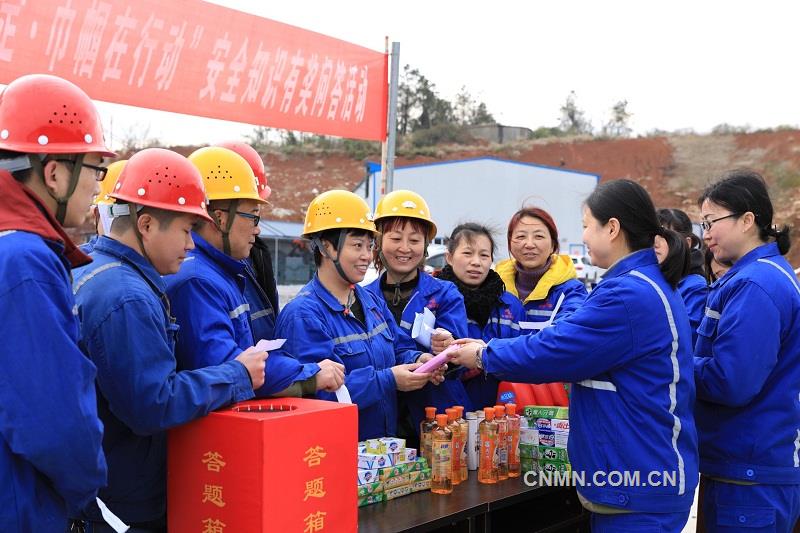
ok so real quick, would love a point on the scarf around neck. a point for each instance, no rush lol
(479, 301)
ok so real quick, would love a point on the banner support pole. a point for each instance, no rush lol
(388, 155)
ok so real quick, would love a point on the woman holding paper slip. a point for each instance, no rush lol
(544, 281)
(334, 317)
(627, 349)
(406, 228)
(492, 311)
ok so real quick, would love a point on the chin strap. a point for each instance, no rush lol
(61, 201)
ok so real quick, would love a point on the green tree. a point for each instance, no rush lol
(617, 126)
(573, 121)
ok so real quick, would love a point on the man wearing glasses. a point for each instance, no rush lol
(208, 293)
(51, 456)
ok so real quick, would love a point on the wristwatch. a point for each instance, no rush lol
(479, 357)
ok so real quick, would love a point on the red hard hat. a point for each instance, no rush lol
(43, 114)
(163, 179)
(254, 160)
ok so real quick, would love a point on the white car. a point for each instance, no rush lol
(587, 272)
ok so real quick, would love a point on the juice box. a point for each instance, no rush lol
(373, 460)
(368, 475)
(385, 445)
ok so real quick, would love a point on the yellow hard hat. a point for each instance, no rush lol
(338, 210)
(226, 174)
(107, 185)
(405, 204)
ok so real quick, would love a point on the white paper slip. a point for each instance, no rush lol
(112, 519)
(343, 395)
(423, 327)
(534, 325)
(268, 346)
(547, 323)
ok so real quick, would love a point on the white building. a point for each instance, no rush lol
(489, 190)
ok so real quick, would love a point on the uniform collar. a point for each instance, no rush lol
(113, 248)
(632, 261)
(561, 270)
(330, 300)
(769, 249)
(21, 209)
(226, 262)
(426, 285)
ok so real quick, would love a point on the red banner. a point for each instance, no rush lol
(192, 57)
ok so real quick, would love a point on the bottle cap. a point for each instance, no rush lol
(441, 420)
(459, 411)
(430, 413)
(499, 410)
(451, 413)
(511, 408)
(489, 413)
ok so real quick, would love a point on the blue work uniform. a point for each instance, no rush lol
(694, 291)
(316, 327)
(208, 299)
(627, 352)
(51, 456)
(503, 324)
(747, 371)
(260, 311)
(559, 280)
(447, 305)
(129, 334)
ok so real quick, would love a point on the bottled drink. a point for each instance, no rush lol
(502, 441)
(455, 427)
(513, 440)
(426, 428)
(487, 467)
(464, 438)
(441, 448)
(473, 441)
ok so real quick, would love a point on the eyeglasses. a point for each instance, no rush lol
(706, 224)
(254, 218)
(99, 172)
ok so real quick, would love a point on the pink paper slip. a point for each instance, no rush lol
(438, 360)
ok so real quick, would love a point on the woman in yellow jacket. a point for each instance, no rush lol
(544, 281)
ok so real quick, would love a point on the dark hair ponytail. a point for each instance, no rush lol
(678, 220)
(678, 261)
(741, 191)
(629, 203)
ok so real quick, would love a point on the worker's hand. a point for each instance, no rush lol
(255, 361)
(328, 362)
(440, 339)
(330, 376)
(466, 355)
(407, 380)
(437, 376)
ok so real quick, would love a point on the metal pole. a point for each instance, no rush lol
(392, 126)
